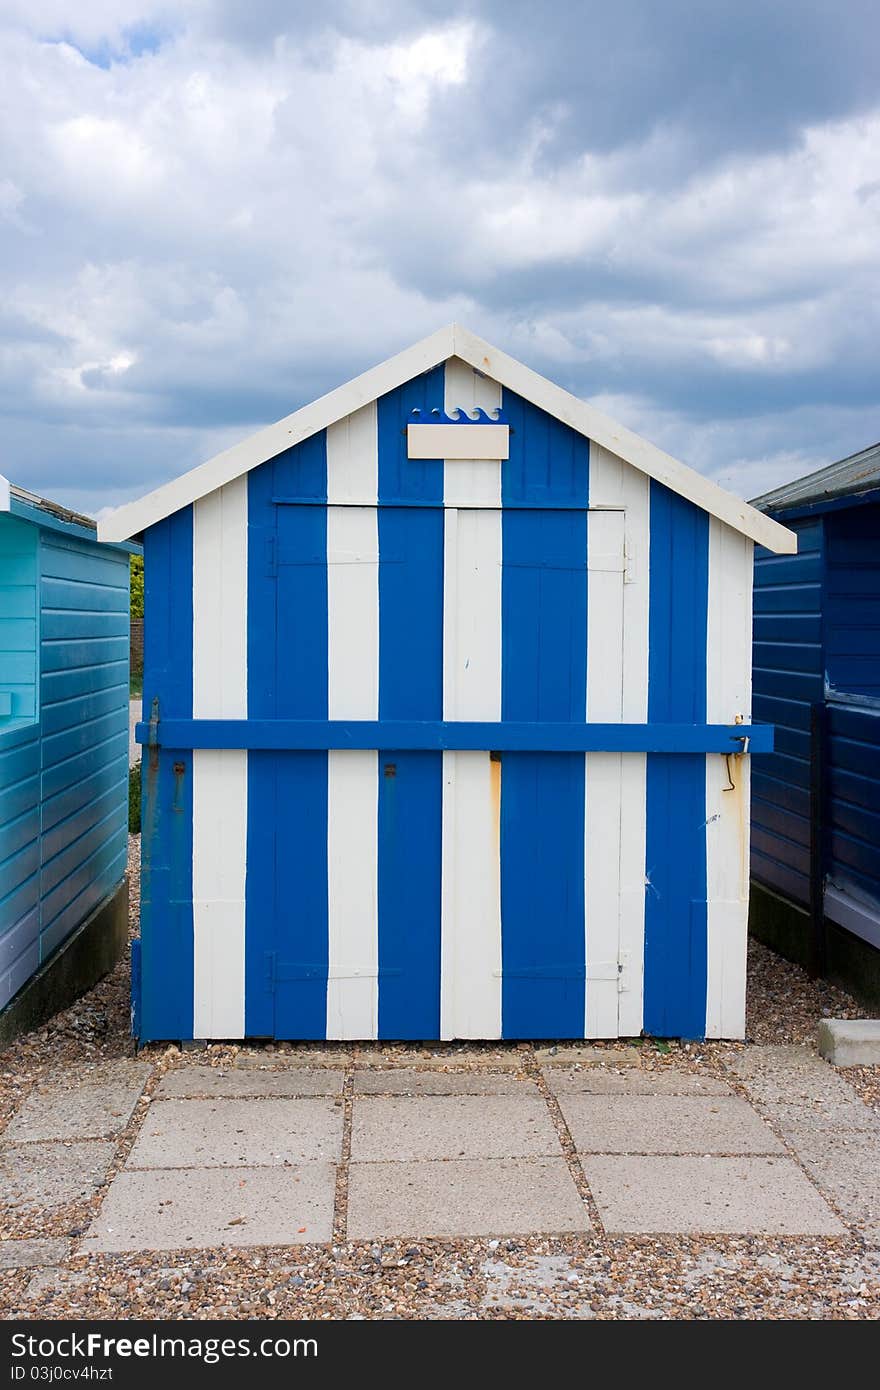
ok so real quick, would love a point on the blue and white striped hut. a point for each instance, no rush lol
(447, 682)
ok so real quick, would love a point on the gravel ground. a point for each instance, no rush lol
(593, 1276)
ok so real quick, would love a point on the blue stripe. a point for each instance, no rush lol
(261, 897)
(549, 463)
(166, 974)
(410, 783)
(426, 734)
(287, 929)
(675, 897)
(543, 677)
(402, 479)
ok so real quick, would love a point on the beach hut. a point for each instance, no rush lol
(816, 809)
(446, 706)
(64, 603)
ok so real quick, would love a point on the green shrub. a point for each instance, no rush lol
(137, 586)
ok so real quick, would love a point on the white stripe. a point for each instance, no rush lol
(352, 902)
(353, 458)
(617, 689)
(352, 693)
(353, 613)
(474, 482)
(728, 694)
(470, 989)
(219, 776)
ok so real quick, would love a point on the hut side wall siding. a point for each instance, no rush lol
(788, 678)
(64, 802)
(84, 614)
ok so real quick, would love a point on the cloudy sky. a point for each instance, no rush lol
(212, 211)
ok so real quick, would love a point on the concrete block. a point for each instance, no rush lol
(251, 1081)
(401, 1081)
(238, 1133)
(52, 1175)
(633, 1082)
(497, 1197)
(81, 1106)
(850, 1042)
(677, 1195)
(405, 1128)
(32, 1254)
(666, 1125)
(195, 1208)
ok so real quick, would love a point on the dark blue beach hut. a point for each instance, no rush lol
(816, 798)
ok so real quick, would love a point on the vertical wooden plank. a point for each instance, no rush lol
(167, 938)
(410, 686)
(617, 689)
(470, 990)
(675, 901)
(220, 777)
(728, 695)
(352, 693)
(602, 786)
(543, 677)
(470, 482)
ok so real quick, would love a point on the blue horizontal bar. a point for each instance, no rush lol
(507, 736)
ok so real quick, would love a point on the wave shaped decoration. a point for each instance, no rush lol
(459, 416)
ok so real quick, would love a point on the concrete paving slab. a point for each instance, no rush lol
(189, 1209)
(823, 1120)
(504, 1058)
(295, 1057)
(666, 1125)
(401, 1081)
(80, 1106)
(678, 1195)
(234, 1133)
(530, 1288)
(52, 1175)
(846, 1168)
(850, 1042)
(633, 1082)
(497, 1197)
(31, 1254)
(251, 1081)
(403, 1128)
(788, 1074)
(566, 1055)
(52, 1283)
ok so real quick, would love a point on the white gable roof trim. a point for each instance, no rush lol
(452, 341)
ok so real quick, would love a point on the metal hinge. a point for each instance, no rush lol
(611, 970)
(630, 569)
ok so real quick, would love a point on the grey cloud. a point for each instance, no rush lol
(671, 208)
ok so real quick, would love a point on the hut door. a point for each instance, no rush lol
(533, 633)
(438, 891)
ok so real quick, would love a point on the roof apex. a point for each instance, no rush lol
(454, 340)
